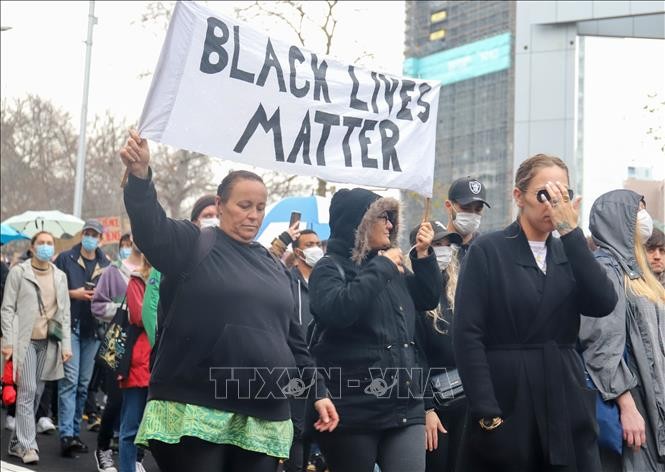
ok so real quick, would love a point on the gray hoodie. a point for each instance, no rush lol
(635, 327)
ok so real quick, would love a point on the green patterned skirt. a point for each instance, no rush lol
(168, 421)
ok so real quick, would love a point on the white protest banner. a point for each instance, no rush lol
(227, 90)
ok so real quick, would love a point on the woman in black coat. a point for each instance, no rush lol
(365, 306)
(518, 304)
(444, 421)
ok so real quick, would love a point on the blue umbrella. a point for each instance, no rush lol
(7, 233)
(314, 216)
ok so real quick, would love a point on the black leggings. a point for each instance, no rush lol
(111, 411)
(395, 450)
(196, 454)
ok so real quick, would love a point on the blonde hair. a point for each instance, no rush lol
(453, 272)
(528, 169)
(648, 285)
(145, 268)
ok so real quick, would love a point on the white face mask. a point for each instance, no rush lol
(209, 222)
(644, 225)
(312, 255)
(444, 254)
(466, 223)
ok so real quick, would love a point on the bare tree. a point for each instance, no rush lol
(179, 176)
(104, 170)
(656, 107)
(312, 25)
(38, 152)
(37, 157)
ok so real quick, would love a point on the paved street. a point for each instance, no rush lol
(49, 454)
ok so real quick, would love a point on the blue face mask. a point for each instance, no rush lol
(89, 243)
(44, 252)
(124, 253)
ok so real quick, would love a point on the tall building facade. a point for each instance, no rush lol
(468, 46)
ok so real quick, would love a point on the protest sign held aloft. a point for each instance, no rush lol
(227, 90)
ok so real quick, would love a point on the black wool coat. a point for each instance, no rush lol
(514, 340)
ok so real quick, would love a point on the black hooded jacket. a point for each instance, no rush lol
(368, 320)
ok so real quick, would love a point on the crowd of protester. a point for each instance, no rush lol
(320, 355)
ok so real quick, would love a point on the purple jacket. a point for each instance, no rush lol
(110, 291)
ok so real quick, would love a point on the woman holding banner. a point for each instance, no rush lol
(229, 335)
(365, 305)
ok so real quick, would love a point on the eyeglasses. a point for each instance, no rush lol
(543, 195)
(387, 216)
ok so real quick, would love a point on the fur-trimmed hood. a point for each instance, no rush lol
(351, 215)
(361, 249)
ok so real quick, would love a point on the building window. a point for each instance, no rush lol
(438, 16)
(436, 35)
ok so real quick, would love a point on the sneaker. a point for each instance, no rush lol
(139, 467)
(94, 422)
(66, 446)
(104, 460)
(30, 457)
(10, 423)
(78, 445)
(15, 451)
(45, 425)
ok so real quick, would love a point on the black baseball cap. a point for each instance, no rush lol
(467, 190)
(440, 232)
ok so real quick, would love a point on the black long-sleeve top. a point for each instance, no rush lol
(230, 334)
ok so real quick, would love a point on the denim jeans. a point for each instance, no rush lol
(73, 388)
(131, 413)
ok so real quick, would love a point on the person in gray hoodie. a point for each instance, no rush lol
(624, 353)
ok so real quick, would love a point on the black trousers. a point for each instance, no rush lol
(48, 405)
(444, 457)
(111, 415)
(96, 382)
(196, 454)
(299, 453)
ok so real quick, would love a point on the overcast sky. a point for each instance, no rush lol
(44, 52)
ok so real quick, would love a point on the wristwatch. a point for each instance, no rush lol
(488, 424)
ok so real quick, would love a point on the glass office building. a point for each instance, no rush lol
(468, 46)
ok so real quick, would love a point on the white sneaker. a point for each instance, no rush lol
(10, 423)
(139, 467)
(104, 460)
(45, 425)
(30, 457)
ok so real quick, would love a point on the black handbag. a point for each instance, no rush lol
(115, 350)
(447, 388)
